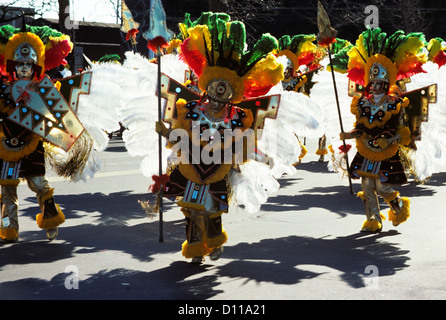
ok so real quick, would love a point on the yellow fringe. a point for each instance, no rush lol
(7, 182)
(217, 214)
(375, 156)
(48, 195)
(367, 174)
(9, 234)
(403, 215)
(393, 196)
(321, 152)
(198, 207)
(14, 156)
(405, 136)
(193, 250)
(51, 222)
(371, 225)
(217, 241)
(360, 195)
(203, 248)
(303, 151)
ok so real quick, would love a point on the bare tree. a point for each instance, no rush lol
(407, 15)
(40, 8)
(253, 13)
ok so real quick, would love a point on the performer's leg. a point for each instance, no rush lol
(204, 235)
(9, 230)
(51, 216)
(370, 198)
(399, 206)
(194, 247)
(215, 236)
(322, 149)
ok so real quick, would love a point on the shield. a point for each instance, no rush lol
(72, 87)
(418, 109)
(42, 109)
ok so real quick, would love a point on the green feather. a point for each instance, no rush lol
(6, 32)
(264, 45)
(45, 32)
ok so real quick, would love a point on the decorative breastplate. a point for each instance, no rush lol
(377, 113)
(231, 119)
(293, 84)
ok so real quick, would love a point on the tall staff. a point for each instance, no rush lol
(326, 37)
(156, 37)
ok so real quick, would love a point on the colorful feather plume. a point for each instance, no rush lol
(215, 41)
(404, 51)
(56, 45)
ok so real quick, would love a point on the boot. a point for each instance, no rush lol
(399, 210)
(51, 218)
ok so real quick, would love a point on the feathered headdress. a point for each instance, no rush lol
(51, 47)
(215, 49)
(299, 49)
(436, 48)
(399, 55)
(340, 50)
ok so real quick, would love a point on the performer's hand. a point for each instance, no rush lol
(382, 143)
(345, 136)
(161, 128)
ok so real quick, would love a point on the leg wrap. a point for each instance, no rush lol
(203, 234)
(370, 199)
(399, 210)
(51, 216)
(9, 225)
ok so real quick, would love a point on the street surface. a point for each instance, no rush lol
(303, 244)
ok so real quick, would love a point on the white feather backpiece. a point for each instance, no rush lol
(430, 154)
(139, 109)
(251, 186)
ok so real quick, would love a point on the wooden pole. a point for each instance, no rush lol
(340, 117)
(160, 158)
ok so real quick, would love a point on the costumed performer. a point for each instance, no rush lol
(22, 154)
(227, 74)
(300, 53)
(377, 62)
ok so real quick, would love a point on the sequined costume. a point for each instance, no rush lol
(199, 183)
(22, 153)
(376, 63)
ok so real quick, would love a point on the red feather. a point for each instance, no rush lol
(55, 56)
(131, 34)
(417, 68)
(440, 59)
(193, 58)
(356, 75)
(257, 92)
(159, 180)
(325, 42)
(306, 58)
(157, 43)
(345, 148)
(2, 67)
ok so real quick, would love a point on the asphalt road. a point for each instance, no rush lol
(303, 244)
